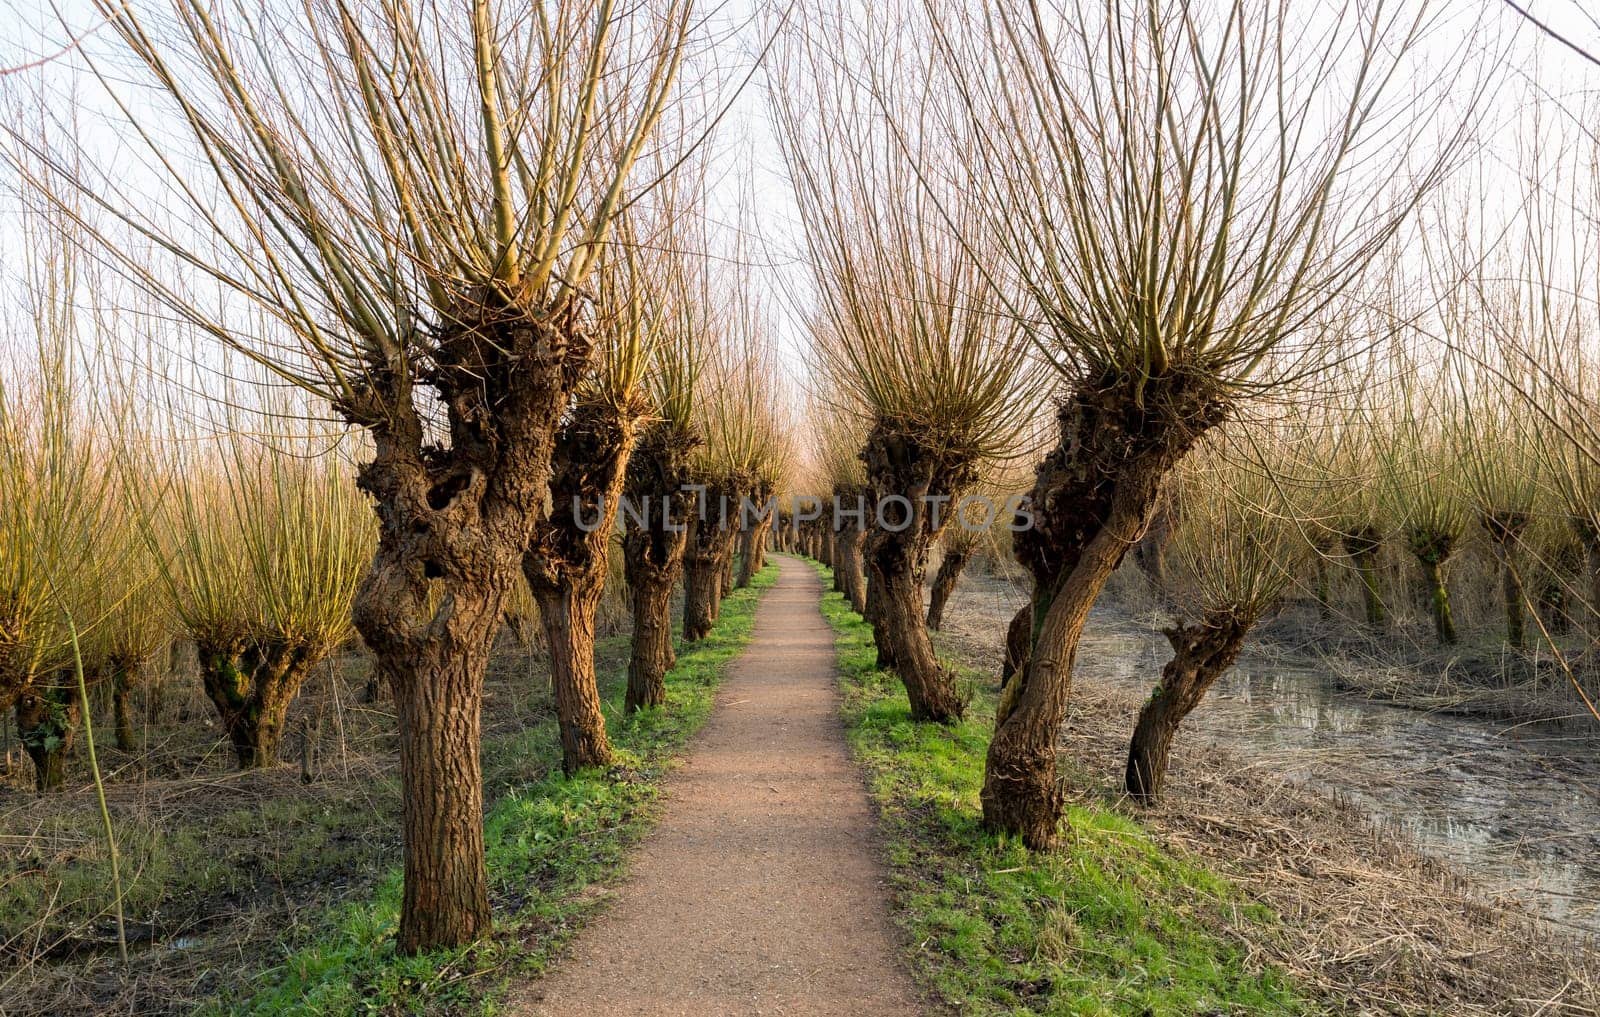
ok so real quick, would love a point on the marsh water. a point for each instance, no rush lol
(1516, 807)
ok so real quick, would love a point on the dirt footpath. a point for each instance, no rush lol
(760, 892)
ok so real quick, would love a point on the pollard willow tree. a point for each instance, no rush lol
(1239, 548)
(59, 539)
(657, 483)
(742, 443)
(567, 563)
(838, 434)
(418, 195)
(910, 334)
(1420, 484)
(1177, 191)
(262, 542)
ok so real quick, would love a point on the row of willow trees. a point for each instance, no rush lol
(1099, 239)
(473, 240)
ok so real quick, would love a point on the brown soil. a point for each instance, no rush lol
(761, 890)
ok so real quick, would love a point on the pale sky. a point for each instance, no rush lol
(31, 31)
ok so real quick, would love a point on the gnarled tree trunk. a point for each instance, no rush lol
(753, 546)
(848, 534)
(910, 479)
(567, 613)
(873, 615)
(566, 567)
(1200, 654)
(705, 561)
(653, 556)
(47, 721)
(1091, 500)
(455, 521)
(251, 685)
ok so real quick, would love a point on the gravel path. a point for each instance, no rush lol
(761, 891)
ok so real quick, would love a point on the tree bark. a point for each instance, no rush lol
(754, 550)
(47, 721)
(1362, 545)
(251, 686)
(657, 475)
(1201, 653)
(123, 679)
(1091, 500)
(944, 584)
(566, 566)
(847, 575)
(438, 703)
(725, 562)
(1019, 639)
(652, 655)
(568, 617)
(1444, 625)
(1511, 592)
(705, 561)
(702, 590)
(888, 658)
(1505, 528)
(930, 688)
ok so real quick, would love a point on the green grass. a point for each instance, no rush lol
(550, 844)
(1110, 923)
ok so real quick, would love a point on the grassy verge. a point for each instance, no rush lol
(550, 844)
(1108, 924)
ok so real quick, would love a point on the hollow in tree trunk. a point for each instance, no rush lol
(47, 721)
(1091, 500)
(1200, 654)
(251, 684)
(944, 584)
(566, 566)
